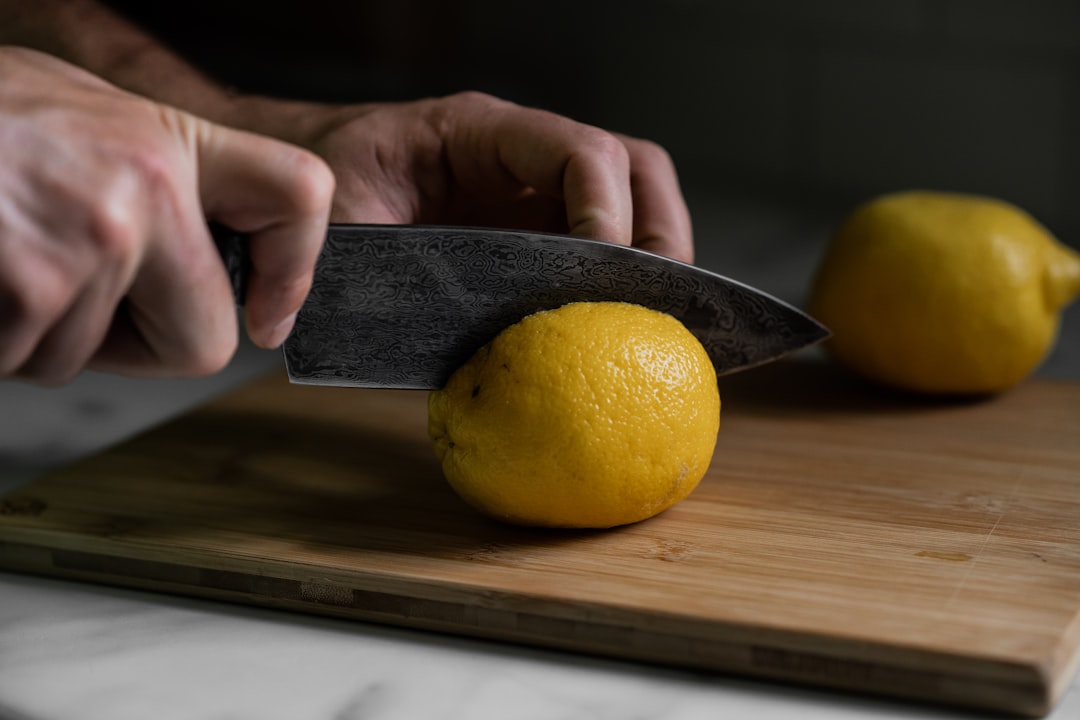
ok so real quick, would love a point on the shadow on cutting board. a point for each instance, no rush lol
(357, 480)
(809, 386)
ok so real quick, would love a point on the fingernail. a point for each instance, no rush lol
(282, 330)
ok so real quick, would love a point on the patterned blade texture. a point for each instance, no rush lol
(402, 306)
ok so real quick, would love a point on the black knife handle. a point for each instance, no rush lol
(233, 248)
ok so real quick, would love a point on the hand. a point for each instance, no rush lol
(105, 257)
(472, 159)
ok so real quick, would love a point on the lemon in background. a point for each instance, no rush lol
(590, 415)
(943, 293)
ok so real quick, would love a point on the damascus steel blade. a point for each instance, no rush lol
(402, 306)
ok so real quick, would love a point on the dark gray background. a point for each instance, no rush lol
(822, 102)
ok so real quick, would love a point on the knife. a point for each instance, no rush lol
(403, 306)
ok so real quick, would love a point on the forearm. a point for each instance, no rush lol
(92, 36)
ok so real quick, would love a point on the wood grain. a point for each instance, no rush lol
(843, 537)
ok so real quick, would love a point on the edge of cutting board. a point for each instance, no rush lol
(853, 665)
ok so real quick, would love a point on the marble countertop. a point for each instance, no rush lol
(78, 651)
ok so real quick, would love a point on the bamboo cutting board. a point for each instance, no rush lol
(843, 537)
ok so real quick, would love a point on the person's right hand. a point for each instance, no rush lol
(106, 261)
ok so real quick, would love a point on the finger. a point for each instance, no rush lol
(587, 168)
(661, 219)
(126, 349)
(280, 196)
(596, 189)
(69, 344)
(33, 293)
(98, 258)
(179, 316)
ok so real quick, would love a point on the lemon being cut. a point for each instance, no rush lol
(591, 415)
(943, 293)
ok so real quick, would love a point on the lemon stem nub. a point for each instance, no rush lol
(1062, 276)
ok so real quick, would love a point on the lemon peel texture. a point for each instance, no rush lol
(591, 415)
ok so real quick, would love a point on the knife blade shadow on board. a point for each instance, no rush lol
(403, 306)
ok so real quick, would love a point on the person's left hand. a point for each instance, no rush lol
(472, 159)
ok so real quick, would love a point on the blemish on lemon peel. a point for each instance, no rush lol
(950, 556)
(591, 415)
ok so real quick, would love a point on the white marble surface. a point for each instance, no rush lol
(89, 653)
(71, 651)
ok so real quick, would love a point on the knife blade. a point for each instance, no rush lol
(403, 306)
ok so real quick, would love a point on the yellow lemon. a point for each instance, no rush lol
(590, 415)
(943, 293)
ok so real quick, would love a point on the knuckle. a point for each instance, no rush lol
(315, 183)
(651, 152)
(449, 111)
(605, 146)
(153, 170)
(475, 97)
(142, 176)
(113, 229)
